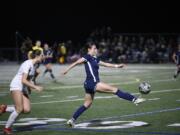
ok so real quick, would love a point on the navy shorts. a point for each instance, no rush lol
(90, 87)
(47, 61)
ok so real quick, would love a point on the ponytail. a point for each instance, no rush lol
(35, 53)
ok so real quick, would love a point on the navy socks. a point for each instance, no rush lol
(79, 111)
(125, 95)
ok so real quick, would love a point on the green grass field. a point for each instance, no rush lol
(108, 114)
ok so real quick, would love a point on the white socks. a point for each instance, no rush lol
(10, 109)
(11, 119)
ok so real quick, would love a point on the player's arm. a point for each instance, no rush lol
(174, 57)
(29, 84)
(79, 61)
(105, 64)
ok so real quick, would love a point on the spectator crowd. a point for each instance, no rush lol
(116, 47)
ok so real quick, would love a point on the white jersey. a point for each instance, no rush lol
(26, 67)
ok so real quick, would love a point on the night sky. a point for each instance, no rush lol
(56, 21)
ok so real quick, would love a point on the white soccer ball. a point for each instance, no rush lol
(144, 88)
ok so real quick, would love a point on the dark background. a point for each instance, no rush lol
(51, 21)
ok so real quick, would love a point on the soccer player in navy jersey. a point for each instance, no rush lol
(176, 58)
(48, 55)
(93, 84)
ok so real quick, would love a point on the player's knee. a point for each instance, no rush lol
(26, 110)
(48, 67)
(38, 72)
(88, 104)
(114, 90)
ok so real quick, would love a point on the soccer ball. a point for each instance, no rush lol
(144, 88)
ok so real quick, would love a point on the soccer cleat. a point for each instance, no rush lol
(139, 100)
(3, 108)
(7, 131)
(71, 123)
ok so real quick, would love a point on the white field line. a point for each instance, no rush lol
(81, 86)
(3, 94)
(45, 96)
(153, 99)
(101, 97)
(71, 97)
(129, 82)
(130, 76)
(174, 125)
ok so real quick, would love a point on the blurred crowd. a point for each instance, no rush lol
(134, 48)
(115, 47)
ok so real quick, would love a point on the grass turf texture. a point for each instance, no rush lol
(61, 99)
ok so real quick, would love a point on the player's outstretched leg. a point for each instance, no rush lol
(6, 108)
(103, 87)
(129, 97)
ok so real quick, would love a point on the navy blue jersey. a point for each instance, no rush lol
(91, 67)
(48, 52)
(178, 57)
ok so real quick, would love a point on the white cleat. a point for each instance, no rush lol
(139, 100)
(71, 123)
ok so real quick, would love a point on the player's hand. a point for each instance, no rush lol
(64, 72)
(121, 65)
(39, 88)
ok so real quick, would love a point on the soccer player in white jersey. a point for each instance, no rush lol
(20, 88)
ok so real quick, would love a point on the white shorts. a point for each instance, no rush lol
(16, 85)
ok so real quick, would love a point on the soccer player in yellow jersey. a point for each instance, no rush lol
(34, 48)
(38, 46)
